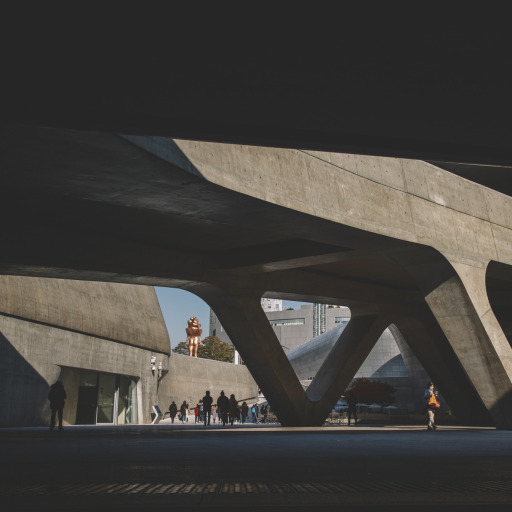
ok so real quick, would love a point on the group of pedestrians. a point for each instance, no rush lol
(225, 410)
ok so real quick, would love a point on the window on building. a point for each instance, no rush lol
(288, 321)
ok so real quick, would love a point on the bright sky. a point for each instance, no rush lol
(178, 306)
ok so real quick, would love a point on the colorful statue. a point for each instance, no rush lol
(194, 332)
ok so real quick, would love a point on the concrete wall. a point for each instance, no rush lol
(190, 377)
(125, 313)
(50, 328)
(34, 356)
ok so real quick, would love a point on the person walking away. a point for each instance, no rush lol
(183, 411)
(431, 404)
(57, 396)
(352, 408)
(223, 407)
(207, 407)
(173, 410)
(196, 413)
(244, 411)
(232, 408)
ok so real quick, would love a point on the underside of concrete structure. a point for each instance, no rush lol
(398, 241)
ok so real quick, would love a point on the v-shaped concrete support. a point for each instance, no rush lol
(249, 329)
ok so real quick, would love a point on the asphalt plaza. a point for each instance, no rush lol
(254, 466)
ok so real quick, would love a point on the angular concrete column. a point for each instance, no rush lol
(462, 308)
(429, 344)
(346, 356)
(249, 329)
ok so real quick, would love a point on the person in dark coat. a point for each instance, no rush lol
(232, 408)
(57, 396)
(184, 411)
(173, 410)
(207, 407)
(223, 407)
(244, 411)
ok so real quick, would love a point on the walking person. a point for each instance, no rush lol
(223, 407)
(57, 396)
(232, 408)
(244, 411)
(184, 411)
(432, 404)
(352, 408)
(207, 407)
(196, 413)
(173, 410)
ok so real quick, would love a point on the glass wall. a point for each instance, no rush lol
(106, 398)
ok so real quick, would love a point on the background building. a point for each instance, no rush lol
(308, 334)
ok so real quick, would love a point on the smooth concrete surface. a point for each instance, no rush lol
(256, 467)
(52, 329)
(397, 241)
(127, 314)
(190, 377)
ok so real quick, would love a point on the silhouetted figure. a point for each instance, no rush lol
(264, 412)
(352, 408)
(244, 411)
(184, 411)
(173, 410)
(207, 407)
(56, 395)
(233, 402)
(223, 407)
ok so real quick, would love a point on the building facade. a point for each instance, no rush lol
(107, 343)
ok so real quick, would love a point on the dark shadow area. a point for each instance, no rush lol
(499, 291)
(23, 391)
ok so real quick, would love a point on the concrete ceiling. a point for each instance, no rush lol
(432, 88)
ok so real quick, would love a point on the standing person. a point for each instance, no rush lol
(255, 411)
(56, 395)
(264, 412)
(207, 407)
(430, 396)
(173, 410)
(196, 413)
(232, 408)
(223, 407)
(352, 408)
(184, 411)
(215, 413)
(244, 411)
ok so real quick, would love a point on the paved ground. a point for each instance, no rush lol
(254, 467)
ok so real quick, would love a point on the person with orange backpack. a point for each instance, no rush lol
(432, 404)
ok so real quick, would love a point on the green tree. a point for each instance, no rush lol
(213, 347)
(372, 391)
(181, 348)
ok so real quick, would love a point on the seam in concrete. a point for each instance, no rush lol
(76, 331)
(415, 195)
